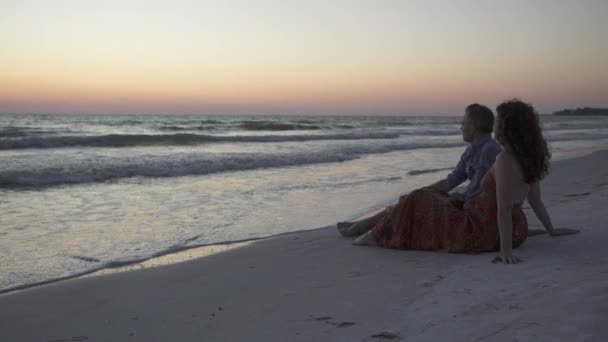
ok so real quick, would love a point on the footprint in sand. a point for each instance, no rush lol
(433, 282)
(341, 324)
(354, 274)
(327, 319)
(385, 335)
(72, 339)
(575, 195)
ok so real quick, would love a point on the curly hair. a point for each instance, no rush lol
(518, 125)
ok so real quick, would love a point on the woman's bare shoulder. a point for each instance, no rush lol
(508, 167)
(506, 160)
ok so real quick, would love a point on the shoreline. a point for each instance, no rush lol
(188, 253)
(162, 258)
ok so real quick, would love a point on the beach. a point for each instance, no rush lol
(316, 286)
(178, 171)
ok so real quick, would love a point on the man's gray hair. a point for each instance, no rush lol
(482, 117)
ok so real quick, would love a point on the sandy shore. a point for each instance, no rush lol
(316, 286)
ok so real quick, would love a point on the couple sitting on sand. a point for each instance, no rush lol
(488, 216)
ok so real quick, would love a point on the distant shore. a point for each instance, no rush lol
(586, 111)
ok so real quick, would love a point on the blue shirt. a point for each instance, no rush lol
(473, 165)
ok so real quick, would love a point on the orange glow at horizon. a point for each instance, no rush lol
(387, 58)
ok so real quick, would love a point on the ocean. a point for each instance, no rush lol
(80, 193)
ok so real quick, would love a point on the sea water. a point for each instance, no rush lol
(79, 193)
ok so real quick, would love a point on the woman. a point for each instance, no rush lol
(491, 221)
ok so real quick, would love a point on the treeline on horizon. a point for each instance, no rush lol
(583, 111)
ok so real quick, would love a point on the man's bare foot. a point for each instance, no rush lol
(344, 224)
(366, 239)
(344, 228)
(350, 229)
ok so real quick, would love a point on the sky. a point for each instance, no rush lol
(300, 57)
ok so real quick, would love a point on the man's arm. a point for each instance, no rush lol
(486, 159)
(457, 176)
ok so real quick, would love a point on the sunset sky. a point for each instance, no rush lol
(300, 57)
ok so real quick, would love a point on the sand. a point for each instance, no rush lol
(316, 286)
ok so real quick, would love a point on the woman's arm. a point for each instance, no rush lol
(538, 207)
(505, 173)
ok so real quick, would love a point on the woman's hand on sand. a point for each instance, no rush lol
(564, 231)
(506, 258)
(533, 232)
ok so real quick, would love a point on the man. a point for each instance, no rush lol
(476, 128)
